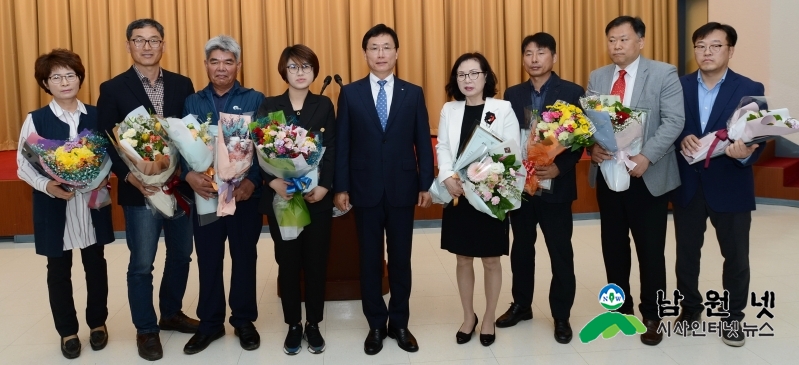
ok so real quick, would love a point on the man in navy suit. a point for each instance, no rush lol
(384, 164)
(724, 191)
(163, 93)
(552, 209)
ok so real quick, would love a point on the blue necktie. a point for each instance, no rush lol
(382, 102)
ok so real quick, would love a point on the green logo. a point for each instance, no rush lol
(608, 324)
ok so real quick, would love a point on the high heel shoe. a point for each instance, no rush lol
(463, 338)
(487, 340)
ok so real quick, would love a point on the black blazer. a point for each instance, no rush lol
(564, 186)
(317, 113)
(118, 97)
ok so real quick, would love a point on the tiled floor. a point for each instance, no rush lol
(27, 335)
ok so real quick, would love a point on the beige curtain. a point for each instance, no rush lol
(432, 33)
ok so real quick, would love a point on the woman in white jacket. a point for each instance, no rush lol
(465, 231)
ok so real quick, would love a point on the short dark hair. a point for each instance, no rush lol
(491, 78)
(299, 53)
(377, 30)
(542, 40)
(703, 31)
(638, 25)
(57, 58)
(143, 23)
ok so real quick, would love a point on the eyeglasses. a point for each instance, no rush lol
(56, 79)
(154, 43)
(472, 75)
(306, 68)
(376, 49)
(714, 48)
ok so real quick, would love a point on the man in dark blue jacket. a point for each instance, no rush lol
(225, 95)
(724, 191)
(552, 209)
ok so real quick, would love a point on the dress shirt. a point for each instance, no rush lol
(79, 230)
(388, 87)
(537, 97)
(155, 91)
(707, 97)
(629, 80)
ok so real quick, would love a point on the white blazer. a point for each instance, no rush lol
(506, 126)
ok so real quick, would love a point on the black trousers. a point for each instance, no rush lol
(635, 211)
(307, 254)
(59, 287)
(397, 224)
(732, 233)
(241, 230)
(557, 226)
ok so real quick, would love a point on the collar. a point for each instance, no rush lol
(632, 69)
(59, 112)
(374, 79)
(233, 90)
(701, 82)
(546, 84)
(144, 78)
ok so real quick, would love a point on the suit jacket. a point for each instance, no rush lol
(657, 89)
(728, 184)
(506, 127)
(118, 97)
(370, 162)
(317, 114)
(564, 186)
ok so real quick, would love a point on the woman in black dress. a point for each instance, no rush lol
(299, 67)
(465, 231)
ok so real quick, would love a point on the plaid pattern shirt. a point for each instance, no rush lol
(154, 92)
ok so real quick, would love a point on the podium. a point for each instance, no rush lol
(343, 263)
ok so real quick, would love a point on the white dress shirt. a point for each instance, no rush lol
(79, 230)
(388, 87)
(629, 80)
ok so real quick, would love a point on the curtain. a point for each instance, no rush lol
(432, 34)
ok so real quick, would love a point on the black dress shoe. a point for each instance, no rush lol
(404, 338)
(688, 321)
(248, 337)
(71, 348)
(514, 315)
(149, 345)
(199, 341)
(487, 340)
(651, 337)
(99, 338)
(463, 338)
(179, 322)
(374, 341)
(563, 331)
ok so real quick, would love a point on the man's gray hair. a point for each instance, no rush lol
(223, 43)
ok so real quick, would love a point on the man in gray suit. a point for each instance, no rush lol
(642, 209)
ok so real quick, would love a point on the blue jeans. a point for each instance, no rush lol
(143, 229)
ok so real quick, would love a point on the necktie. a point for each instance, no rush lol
(382, 107)
(619, 86)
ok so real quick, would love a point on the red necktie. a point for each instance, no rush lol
(619, 86)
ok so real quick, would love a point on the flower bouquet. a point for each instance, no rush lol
(620, 131)
(80, 164)
(142, 144)
(563, 127)
(233, 158)
(292, 153)
(748, 123)
(493, 185)
(196, 145)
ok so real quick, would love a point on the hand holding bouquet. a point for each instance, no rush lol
(292, 153)
(81, 164)
(234, 152)
(142, 144)
(748, 123)
(620, 131)
(563, 126)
